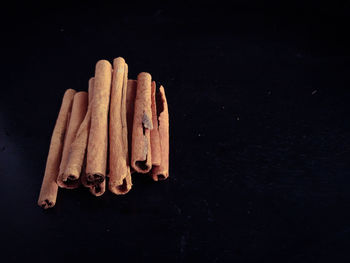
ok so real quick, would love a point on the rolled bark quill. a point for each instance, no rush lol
(155, 140)
(76, 117)
(119, 168)
(96, 160)
(49, 187)
(141, 159)
(161, 172)
(77, 153)
(130, 102)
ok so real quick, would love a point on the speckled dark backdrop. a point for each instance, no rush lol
(259, 107)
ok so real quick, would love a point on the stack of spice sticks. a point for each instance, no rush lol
(122, 120)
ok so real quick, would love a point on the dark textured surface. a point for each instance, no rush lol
(260, 134)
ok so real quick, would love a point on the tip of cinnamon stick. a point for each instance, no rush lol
(45, 204)
(103, 63)
(124, 188)
(96, 183)
(70, 90)
(120, 189)
(71, 182)
(160, 176)
(142, 166)
(119, 60)
(162, 91)
(95, 178)
(68, 181)
(144, 75)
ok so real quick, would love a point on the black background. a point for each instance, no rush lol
(258, 96)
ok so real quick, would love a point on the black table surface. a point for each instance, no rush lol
(259, 134)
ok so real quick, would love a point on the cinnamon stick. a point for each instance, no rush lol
(49, 187)
(119, 168)
(130, 102)
(77, 153)
(141, 159)
(155, 141)
(98, 137)
(77, 115)
(161, 172)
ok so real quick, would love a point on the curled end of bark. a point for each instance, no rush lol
(121, 189)
(95, 178)
(71, 182)
(95, 182)
(68, 182)
(142, 166)
(160, 176)
(46, 203)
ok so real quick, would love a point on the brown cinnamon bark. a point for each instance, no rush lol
(155, 141)
(161, 172)
(77, 115)
(83, 177)
(119, 167)
(130, 102)
(98, 137)
(141, 159)
(77, 153)
(127, 143)
(49, 187)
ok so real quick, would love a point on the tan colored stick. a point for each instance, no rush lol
(161, 172)
(130, 102)
(141, 159)
(78, 113)
(98, 137)
(49, 187)
(77, 152)
(119, 169)
(155, 141)
(83, 176)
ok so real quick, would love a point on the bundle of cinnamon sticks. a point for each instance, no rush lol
(119, 127)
